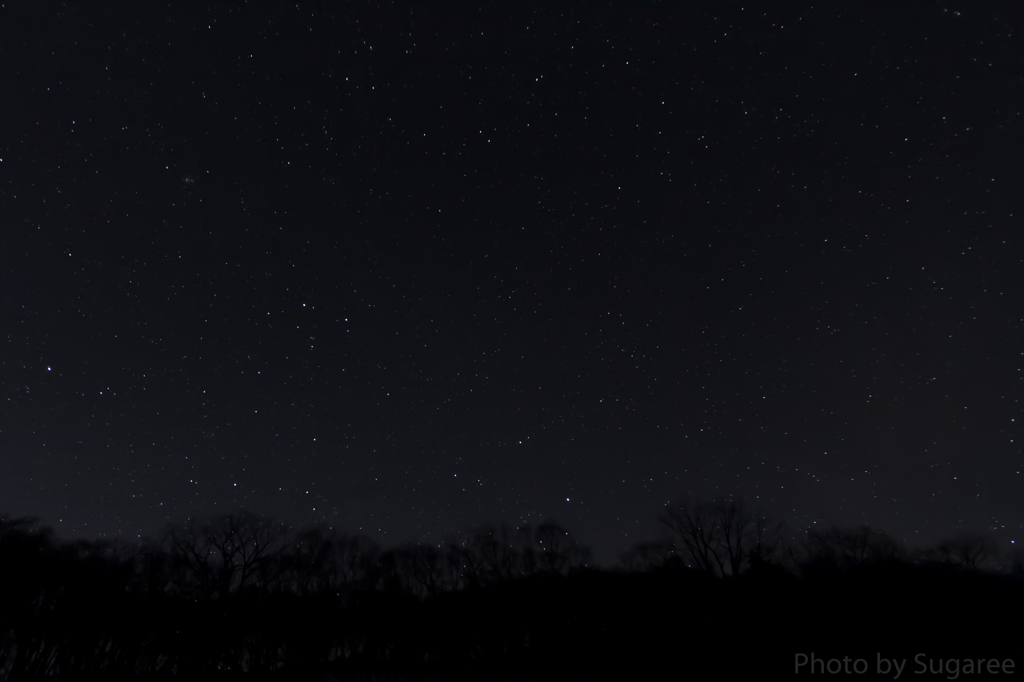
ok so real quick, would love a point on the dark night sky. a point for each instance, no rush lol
(407, 268)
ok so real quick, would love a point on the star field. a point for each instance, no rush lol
(404, 269)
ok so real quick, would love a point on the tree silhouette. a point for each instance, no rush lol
(767, 542)
(419, 569)
(719, 537)
(838, 549)
(325, 561)
(694, 534)
(227, 554)
(485, 555)
(968, 549)
(558, 551)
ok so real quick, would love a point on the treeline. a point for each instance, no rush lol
(724, 538)
(245, 596)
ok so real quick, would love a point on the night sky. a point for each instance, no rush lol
(406, 268)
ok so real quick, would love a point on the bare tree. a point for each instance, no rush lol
(558, 551)
(695, 533)
(468, 554)
(721, 537)
(485, 555)
(492, 554)
(736, 535)
(322, 560)
(844, 548)
(767, 542)
(969, 549)
(228, 554)
(423, 566)
(419, 570)
(354, 557)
